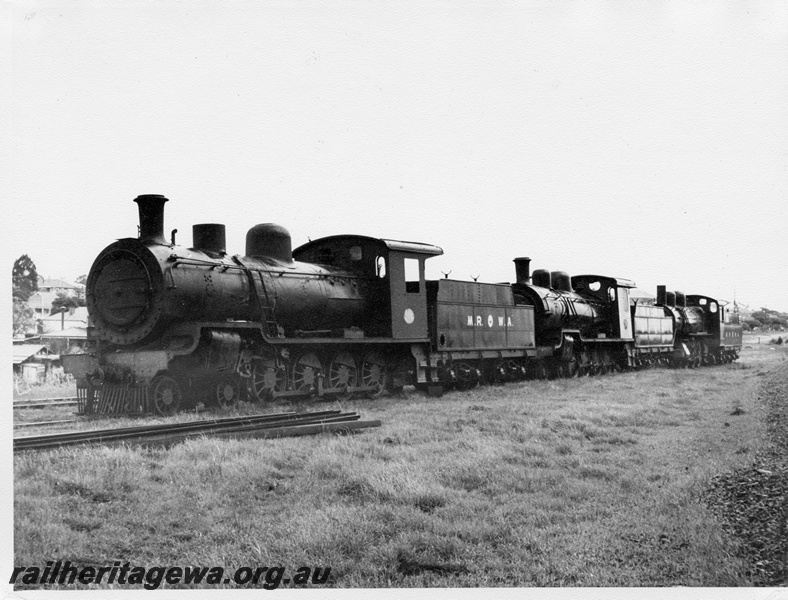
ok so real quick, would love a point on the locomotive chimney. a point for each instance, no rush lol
(151, 217)
(522, 269)
(209, 237)
(661, 295)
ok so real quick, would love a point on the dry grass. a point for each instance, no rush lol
(589, 482)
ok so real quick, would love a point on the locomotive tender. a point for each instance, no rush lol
(173, 326)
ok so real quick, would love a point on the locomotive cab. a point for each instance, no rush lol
(712, 314)
(393, 272)
(614, 292)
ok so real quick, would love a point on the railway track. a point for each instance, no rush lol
(43, 423)
(258, 426)
(45, 402)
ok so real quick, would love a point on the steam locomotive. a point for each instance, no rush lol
(173, 326)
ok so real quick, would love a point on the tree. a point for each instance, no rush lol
(62, 300)
(23, 316)
(753, 323)
(81, 280)
(25, 278)
(771, 318)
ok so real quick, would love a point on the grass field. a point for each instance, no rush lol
(24, 391)
(583, 482)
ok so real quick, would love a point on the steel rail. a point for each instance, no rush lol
(178, 426)
(120, 435)
(268, 430)
(42, 423)
(196, 427)
(55, 399)
(168, 439)
(44, 403)
(168, 434)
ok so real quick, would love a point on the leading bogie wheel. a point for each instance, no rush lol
(227, 391)
(165, 394)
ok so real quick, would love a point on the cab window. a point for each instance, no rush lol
(412, 275)
(355, 253)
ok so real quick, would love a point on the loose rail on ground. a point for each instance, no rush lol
(257, 426)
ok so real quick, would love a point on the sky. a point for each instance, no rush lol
(639, 140)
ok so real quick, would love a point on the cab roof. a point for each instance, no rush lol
(395, 245)
(618, 282)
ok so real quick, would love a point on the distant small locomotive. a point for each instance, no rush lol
(173, 326)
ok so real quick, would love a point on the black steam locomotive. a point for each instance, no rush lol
(173, 326)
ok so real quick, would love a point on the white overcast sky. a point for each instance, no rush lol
(644, 140)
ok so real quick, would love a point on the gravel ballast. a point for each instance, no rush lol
(753, 502)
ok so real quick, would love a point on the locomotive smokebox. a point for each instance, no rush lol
(269, 240)
(151, 208)
(522, 269)
(209, 237)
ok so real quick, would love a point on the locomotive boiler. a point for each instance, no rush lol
(138, 288)
(558, 307)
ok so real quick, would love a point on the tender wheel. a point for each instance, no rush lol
(227, 391)
(267, 378)
(343, 373)
(165, 394)
(306, 371)
(573, 368)
(508, 370)
(467, 376)
(540, 370)
(374, 372)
